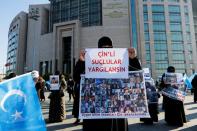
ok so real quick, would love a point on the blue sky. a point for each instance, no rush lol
(9, 9)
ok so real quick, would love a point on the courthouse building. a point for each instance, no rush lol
(166, 35)
(161, 31)
(58, 31)
(17, 40)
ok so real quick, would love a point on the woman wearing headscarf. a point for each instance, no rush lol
(57, 101)
(103, 124)
(174, 109)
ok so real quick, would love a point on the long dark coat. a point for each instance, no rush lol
(152, 104)
(57, 104)
(79, 69)
(174, 109)
(100, 124)
(194, 87)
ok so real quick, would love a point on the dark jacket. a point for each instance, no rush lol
(194, 87)
(57, 104)
(174, 109)
(107, 124)
(134, 64)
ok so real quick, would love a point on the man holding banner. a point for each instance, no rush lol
(95, 87)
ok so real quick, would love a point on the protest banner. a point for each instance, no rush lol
(54, 82)
(175, 86)
(147, 74)
(113, 98)
(170, 78)
(106, 63)
(174, 93)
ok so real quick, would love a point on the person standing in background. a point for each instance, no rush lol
(57, 101)
(70, 85)
(194, 88)
(174, 109)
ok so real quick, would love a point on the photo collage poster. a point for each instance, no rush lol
(113, 98)
(176, 87)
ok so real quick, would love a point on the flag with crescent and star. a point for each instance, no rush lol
(20, 108)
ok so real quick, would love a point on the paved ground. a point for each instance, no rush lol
(134, 124)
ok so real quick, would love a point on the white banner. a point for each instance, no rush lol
(106, 63)
(147, 74)
(113, 98)
(54, 82)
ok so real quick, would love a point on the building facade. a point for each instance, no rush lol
(166, 35)
(161, 31)
(194, 7)
(17, 39)
(58, 31)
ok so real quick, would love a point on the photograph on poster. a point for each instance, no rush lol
(54, 82)
(113, 98)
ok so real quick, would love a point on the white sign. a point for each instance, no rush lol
(146, 73)
(54, 82)
(106, 63)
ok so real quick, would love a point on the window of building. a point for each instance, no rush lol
(176, 36)
(189, 47)
(145, 8)
(159, 26)
(157, 8)
(160, 57)
(161, 66)
(157, 0)
(185, 1)
(175, 27)
(188, 37)
(146, 28)
(145, 17)
(160, 36)
(158, 17)
(147, 37)
(178, 56)
(88, 12)
(174, 9)
(186, 10)
(174, 1)
(179, 65)
(160, 46)
(188, 28)
(186, 18)
(175, 17)
(148, 56)
(177, 46)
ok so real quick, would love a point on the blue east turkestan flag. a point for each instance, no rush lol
(187, 82)
(19, 105)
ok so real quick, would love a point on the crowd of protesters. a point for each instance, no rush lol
(174, 109)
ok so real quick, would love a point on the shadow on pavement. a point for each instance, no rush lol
(193, 128)
(193, 108)
(189, 103)
(62, 126)
(160, 126)
(191, 116)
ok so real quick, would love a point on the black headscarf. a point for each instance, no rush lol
(104, 41)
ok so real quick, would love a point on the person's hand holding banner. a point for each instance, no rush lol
(82, 55)
(132, 53)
